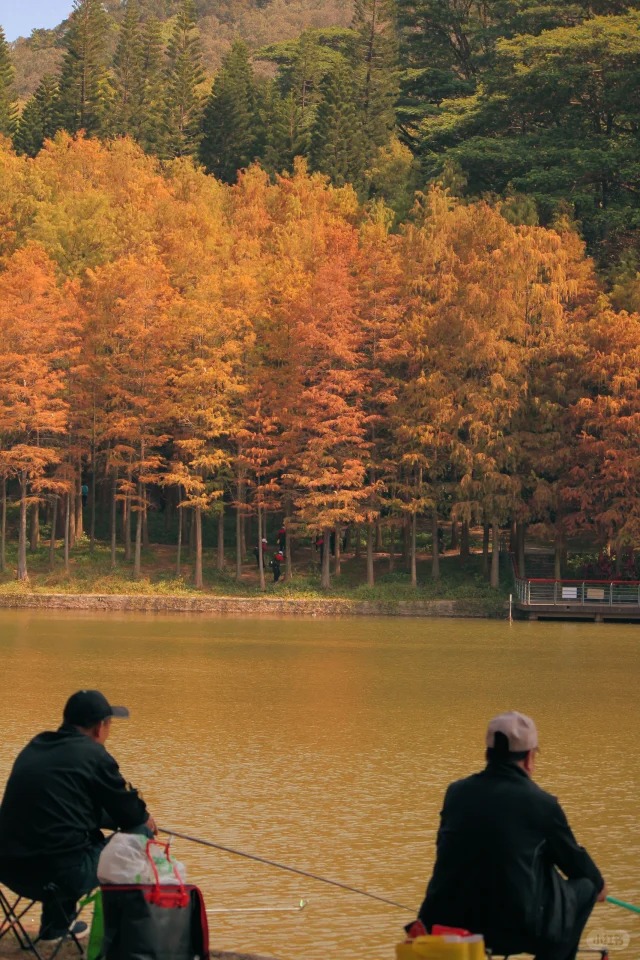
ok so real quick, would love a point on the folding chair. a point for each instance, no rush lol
(14, 907)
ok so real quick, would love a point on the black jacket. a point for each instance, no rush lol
(63, 787)
(500, 840)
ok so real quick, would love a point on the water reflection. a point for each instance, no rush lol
(328, 745)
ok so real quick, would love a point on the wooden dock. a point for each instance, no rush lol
(544, 598)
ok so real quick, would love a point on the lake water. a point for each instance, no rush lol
(328, 744)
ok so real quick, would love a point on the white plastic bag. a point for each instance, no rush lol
(125, 860)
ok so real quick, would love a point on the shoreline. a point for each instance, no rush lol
(250, 606)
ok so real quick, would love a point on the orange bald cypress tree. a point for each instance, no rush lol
(131, 304)
(39, 335)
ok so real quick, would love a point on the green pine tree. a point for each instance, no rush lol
(128, 78)
(303, 65)
(152, 130)
(8, 110)
(375, 67)
(184, 77)
(282, 126)
(84, 91)
(231, 134)
(39, 118)
(338, 145)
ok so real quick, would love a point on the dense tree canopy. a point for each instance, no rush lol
(274, 345)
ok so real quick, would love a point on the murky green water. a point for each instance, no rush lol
(328, 744)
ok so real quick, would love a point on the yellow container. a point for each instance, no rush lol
(442, 948)
(405, 951)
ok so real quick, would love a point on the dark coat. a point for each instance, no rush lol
(500, 840)
(63, 787)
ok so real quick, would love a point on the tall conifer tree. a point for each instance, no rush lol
(128, 75)
(230, 137)
(84, 87)
(7, 94)
(375, 63)
(152, 123)
(337, 146)
(184, 76)
(39, 118)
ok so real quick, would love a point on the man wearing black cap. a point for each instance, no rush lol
(65, 786)
(501, 844)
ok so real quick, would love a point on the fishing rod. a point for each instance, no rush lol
(283, 866)
(301, 905)
(623, 904)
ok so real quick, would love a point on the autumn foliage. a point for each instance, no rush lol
(275, 346)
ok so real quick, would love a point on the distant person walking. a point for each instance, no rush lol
(256, 551)
(278, 557)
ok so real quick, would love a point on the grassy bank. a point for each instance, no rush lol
(91, 573)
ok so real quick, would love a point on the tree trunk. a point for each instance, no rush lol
(22, 573)
(197, 574)
(92, 515)
(220, 557)
(406, 541)
(485, 549)
(464, 541)
(378, 536)
(358, 546)
(52, 538)
(412, 551)
(325, 579)
(454, 535)
(191, 534)
(34, 536)
(260, 550)
(338, 550)
(521, 535)
(347, 539)
(114, 516)
(127, 526)
(137, 557)
(67, 530)
(72, 521)
(557, 559)
(79, 525)
(179, 544)
(3, 526)
(243, 527)
(370, 539)
(288, 547)
(239, 530)
(392, 547)
(495, 557)
(145, 524)
(618, 561)
(435, 552)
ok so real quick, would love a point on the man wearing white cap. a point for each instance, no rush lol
(507, 864)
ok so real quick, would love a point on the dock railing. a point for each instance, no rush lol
(532, 591)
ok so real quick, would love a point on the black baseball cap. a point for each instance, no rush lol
(87, 707)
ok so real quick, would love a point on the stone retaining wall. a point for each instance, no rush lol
(246, 606)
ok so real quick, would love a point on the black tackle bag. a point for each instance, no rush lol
(154, 922)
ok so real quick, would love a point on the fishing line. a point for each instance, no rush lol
(283, 866)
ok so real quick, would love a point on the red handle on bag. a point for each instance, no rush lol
(165, 895)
